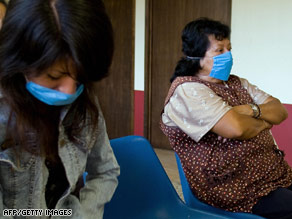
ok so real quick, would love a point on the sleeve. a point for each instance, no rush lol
(4, 115)
(195, 109)
(3, 123)
(2, 207)
(101, 181)
(103, 170)
(258, 96)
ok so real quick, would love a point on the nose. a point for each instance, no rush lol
(68, 85)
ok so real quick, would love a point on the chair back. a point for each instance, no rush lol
(144, 189)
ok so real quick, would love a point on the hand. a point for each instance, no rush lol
(267, 124)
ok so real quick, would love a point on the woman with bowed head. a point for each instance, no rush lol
(219, 125)
(51, 127)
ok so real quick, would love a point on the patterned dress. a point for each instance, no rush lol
(230, 174)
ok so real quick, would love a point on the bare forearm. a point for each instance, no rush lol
(239, 122)
(251, 127)
(239, 126)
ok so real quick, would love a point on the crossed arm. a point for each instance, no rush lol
(238, 122)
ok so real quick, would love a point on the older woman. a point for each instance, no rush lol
(219, 125)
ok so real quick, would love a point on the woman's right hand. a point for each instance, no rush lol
(267, 124)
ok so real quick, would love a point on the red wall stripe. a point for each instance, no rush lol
(139, 113)
(283, 135)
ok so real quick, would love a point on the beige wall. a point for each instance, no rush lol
(139, 44)
(262, 44)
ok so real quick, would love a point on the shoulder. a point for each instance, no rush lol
(247, 85)
(244, 82)
(193, 90)
(193, 84)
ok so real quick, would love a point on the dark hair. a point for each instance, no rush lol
(37, 33)
(3, 2)
(195, 43)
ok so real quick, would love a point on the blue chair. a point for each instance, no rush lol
(195, 203)
(144, 190)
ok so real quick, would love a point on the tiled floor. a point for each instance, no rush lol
(168, 161)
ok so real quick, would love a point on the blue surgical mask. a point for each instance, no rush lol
(222, 65)
(51, 96)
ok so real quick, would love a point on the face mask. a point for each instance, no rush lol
(222, 66)
(51, 96)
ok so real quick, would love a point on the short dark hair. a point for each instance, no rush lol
(195, 43)
(34, 35)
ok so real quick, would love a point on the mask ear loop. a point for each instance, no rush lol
(193, 58)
